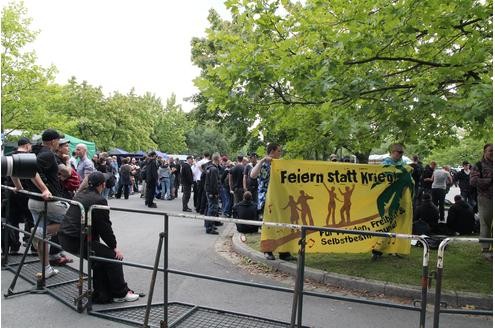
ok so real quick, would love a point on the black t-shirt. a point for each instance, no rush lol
(252, 184)
(48, 170)
(237, 173)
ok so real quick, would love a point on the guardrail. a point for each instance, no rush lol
(439, 275)
(298, 291)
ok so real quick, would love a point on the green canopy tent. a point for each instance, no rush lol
(74, 141)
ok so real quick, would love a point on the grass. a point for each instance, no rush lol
(464, 268)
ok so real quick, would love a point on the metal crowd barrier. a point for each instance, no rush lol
(439, 274)
(298, 291)
(41, 280)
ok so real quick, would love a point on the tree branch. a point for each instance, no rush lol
(414, 60)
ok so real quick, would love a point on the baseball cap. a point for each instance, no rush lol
(23, 141)
(49, 135)
(95, 179)
(63, 141)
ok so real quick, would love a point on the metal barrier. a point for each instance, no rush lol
(439, 274)
(41, 280)
(298, 291)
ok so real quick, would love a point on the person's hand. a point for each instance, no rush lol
(268, 159)
(118, 254)
(46, 195)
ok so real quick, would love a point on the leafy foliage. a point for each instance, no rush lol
(25, 85)
(329, 74)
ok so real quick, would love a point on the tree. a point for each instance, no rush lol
(171, 127)
(26, 88)
(338, 74)
(206, 138)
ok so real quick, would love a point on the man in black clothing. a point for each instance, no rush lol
(151, 179)
(246, 210)
(462, 180)
(47, 183)
(460, 218)
(212, 189)
(186, 180)
(108, 278)
(17, 210)
(428, 177)
(416, 175)
(249, 183)
(236, 178)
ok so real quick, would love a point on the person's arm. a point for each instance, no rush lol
(103, 225)
(255, 172)
(17, 183)
(449, 177)
(245, 182)
(38, 182)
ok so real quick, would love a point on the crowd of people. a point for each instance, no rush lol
(217, 186)
(432, 183)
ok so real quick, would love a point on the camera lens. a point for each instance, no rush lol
(19, 165)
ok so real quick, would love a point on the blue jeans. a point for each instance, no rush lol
(172, 184)
(212, 211)
(165, 184)
(224, 198)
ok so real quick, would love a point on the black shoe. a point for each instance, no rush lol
(153, 205)
(212, 232)
(287, 257)
(187, 210)
(218, 224)
(269, 256)
(375, 255)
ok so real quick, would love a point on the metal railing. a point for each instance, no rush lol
(439, 276)
(41, 280)
(298, 290)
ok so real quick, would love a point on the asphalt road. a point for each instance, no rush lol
(193, 250)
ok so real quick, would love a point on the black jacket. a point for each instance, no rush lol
(151, 171)
(186, 177)
(428, 213)
(101, 224)
(246, 210)
(212, 180)
(461, 218)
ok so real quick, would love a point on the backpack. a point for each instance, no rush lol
(110, 183)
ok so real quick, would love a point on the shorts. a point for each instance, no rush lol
(55, 211)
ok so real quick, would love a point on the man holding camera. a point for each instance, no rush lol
(48, 184)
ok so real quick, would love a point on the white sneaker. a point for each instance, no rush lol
(49, 271)
(130, 297)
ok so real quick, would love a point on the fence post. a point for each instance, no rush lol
(152, 282)
(164, 323)
(299, 283)
(424, 282)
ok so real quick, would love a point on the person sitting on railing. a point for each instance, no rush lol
(108, 278)
(246, 210)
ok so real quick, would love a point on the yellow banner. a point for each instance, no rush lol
(338, 195)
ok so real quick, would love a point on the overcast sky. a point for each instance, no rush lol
(120, 44)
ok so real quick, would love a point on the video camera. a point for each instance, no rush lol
(22, 166)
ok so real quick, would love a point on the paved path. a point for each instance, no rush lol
(193, 250)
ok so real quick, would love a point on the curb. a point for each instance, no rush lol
(374, 287)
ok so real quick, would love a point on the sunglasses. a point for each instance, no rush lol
(400, 151)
